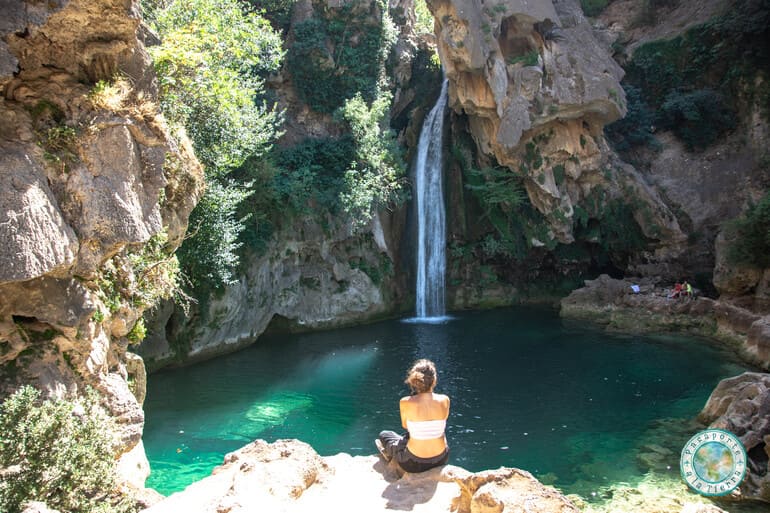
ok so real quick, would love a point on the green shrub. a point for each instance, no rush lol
(751, 233)
(139, 277)
(636, 128)
(339, 55)
(374, 181)
(530, 58)
(724, 60)
(278, 12)
(593, 7)
(497, 187)
(423, 18)
(57, 452)
(610, 224)
(211, 64)
(138, 332)
(312, 173)
(209, 255)
(698, 118)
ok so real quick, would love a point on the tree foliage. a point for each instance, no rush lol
(637, 127)
(751, 235)
(698, 118)
(374, 179)
(340, 54)
(57, 452)
(211, 63)
(210, 254)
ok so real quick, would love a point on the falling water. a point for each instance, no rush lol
(431, 222)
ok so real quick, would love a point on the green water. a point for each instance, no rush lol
(569, 403)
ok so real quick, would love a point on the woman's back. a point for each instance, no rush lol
(423, 415)
(419, 414)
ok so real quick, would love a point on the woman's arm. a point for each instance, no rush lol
(403, 405)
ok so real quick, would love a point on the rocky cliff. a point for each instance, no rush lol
(309, 277)
(537, 87)
(741, 405)
(89, 175)
(320, 268)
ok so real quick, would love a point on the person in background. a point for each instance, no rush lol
(677, 291)
(687, 289)
(423, 415)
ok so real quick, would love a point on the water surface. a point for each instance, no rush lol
(567, 402)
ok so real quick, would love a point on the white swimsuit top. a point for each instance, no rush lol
(426, 429)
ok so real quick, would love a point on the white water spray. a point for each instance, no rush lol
(431, 218)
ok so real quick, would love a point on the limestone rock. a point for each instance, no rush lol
(288, 476)
(537, 88)
(741, 405)
(259, 476)
(36, 238)
(508, 489)
(729, 278)
(612, 303)
(80, 181)
(309, 276)
(758, 341)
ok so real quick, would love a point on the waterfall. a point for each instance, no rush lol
(431, 222)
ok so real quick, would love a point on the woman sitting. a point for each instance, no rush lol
(423, 415)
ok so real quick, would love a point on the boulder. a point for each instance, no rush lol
(758, 341)
(741, 405)
(289, 476)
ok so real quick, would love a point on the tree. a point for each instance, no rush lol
(211, 66)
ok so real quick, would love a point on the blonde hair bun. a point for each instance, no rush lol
(421, 377)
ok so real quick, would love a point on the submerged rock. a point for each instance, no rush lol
(288, 475)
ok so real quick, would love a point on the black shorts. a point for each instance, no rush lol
(394, 446)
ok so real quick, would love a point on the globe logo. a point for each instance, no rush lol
(713, 462)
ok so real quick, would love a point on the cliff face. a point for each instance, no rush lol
(704, 184)
(537, 88)
(320, 268)
(310, 276)
(89, 173)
